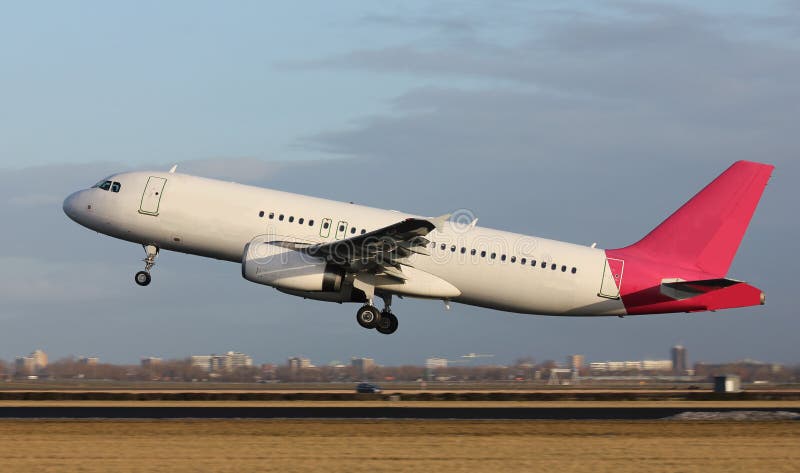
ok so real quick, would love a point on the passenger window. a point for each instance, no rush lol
(553, 267)
(483, 254)
(513, 259)
(574, 270)
(271, 215)
(280, 217)
(443, 246)
(341, 228)
(463, 250)
(300, 220)
(502, 257)
(544, 264)
(115, 186)
(453, 248)
(353, 230)
(494, 255)
(261, 214)
(563, 269)
(473, 252)
(363, 231)
(326, 225)
(533, 262)
(291, 219)
(522, 261)
(311, 223)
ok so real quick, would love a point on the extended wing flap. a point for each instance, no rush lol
(394, 241)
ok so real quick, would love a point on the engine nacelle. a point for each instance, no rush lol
(283, 268)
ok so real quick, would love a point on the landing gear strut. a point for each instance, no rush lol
(143, 278)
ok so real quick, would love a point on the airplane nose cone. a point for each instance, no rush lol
(70, 205)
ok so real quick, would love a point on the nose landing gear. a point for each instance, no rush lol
(143, 278)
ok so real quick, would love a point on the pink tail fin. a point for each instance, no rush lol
(706, 231)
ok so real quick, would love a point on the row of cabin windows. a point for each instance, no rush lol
(300, 221)
(513, 259)
(453, 248)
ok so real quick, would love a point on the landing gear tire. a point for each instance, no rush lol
(368, 316)
(142, 278)
(388, 323)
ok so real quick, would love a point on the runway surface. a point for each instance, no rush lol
(289, 412)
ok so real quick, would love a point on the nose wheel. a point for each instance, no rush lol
(143, 278)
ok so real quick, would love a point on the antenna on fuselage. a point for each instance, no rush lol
(173, 168)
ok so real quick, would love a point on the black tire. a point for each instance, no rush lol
(142, 278)
(368, 316)
(388, 323)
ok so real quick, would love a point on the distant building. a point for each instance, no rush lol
(598, 366)
(297, 363)
(24, 366)
(575, 362)
(150, 361)
(230, 361)
(88, 360)
(434, 363)
(627, 366)
(657, 365)
(40, 359)
(679, 364)
(201, 361)
(31, 364)
(362, 366)
(236, 360)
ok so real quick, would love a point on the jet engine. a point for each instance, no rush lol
(271, 264)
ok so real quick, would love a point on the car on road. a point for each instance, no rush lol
(367, 388)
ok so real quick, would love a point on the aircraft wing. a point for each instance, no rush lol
(381, 251)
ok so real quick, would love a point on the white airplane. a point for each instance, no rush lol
(341, 252)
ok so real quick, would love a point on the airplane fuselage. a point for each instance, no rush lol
(216, 219)
(679, 267)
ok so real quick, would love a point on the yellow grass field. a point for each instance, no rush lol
(389, 446)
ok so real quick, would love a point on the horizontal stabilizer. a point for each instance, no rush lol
(679, 289)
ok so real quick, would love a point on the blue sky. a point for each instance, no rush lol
(589, 121)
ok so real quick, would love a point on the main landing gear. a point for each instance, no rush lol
(143, 278)
(384, 321)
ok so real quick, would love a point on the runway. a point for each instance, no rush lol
(339, 412)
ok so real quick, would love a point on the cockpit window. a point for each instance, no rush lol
(107, 184)
(105, 181)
